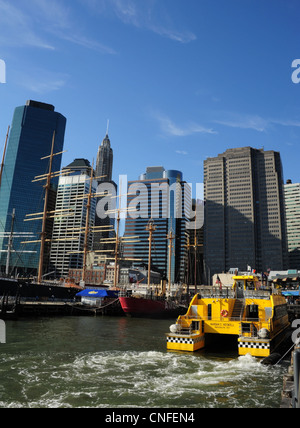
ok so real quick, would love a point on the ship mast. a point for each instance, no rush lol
(171, 238)
(119, 240)
(151, 229)
(47, 190)
(10, 242)
(87, 224)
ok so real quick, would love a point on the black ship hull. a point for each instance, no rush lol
(25, 289)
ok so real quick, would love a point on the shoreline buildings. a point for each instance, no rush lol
(292, 211)
(29, 143)
(104, 168)
(244, 211)
(68, 236)
(150, 200)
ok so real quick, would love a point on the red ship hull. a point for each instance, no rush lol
(139, 307)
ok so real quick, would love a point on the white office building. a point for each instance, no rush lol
(69, 229)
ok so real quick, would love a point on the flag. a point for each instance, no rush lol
(219, 282)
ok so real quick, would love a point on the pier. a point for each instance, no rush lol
(290, 396)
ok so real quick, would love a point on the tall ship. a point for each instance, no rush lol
(151, 304)
(36, 288)
(154, 303)
(256, 319)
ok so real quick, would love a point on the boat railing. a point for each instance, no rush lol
(257, 294)
(229, 293)
(216, 292)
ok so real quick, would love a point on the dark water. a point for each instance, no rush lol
(120, 362)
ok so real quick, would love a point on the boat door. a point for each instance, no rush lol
(240, 289)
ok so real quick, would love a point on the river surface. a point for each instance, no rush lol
(107, 362)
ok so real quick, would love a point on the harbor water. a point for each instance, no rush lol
(107, 362)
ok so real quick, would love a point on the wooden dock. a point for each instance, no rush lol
(16, 308)
(294, 312)
(290, 396)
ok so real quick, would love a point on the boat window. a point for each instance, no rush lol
(268, 312)
(252, 311)
(250, 285)
(196, 325)
(209, 311)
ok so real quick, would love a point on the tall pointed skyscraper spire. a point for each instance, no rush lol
(104, 163)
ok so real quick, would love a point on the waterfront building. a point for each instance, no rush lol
(104, 168)
(69, 229)
(169, 210)
(104, 164)
(29, 144)
(194, 268)
(292, 213)
(244, 211)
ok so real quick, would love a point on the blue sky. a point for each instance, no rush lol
(179, 80)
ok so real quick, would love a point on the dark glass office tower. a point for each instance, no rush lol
(167, 209)
(104, 163)
(30, 140)
(104, 168)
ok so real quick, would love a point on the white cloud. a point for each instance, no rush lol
(255, 122)
(140, 14)
(42, 81)
(38, 20)
(16, 28)
(181, 152)
(168, 127)
(244, 122)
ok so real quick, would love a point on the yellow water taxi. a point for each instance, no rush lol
(257, 317)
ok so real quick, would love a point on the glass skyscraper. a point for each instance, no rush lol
(30, 140)
(104, 163)
(169, 210)
(69, 231)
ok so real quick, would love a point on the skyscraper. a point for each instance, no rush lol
(292, 212)
(104, 168)
(104, 163)
(68, 236)
(244, 211)
(29, 145)
(167, 206)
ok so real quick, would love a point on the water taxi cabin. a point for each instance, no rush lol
(257, 318)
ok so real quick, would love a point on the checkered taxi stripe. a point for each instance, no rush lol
(255, 345)
(184, 340)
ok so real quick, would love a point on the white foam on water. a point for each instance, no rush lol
(142, 379)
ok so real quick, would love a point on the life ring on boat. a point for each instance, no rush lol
(224, 313)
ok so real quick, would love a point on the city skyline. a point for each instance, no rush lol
(179, 82)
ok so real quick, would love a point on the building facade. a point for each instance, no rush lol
(30, 141)
(104, 164)
(169, 210)
(104, 168)
(68, 236)
(292, 212)
(244, 211)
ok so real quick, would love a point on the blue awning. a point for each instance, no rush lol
(98, 293)
(291, 293)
